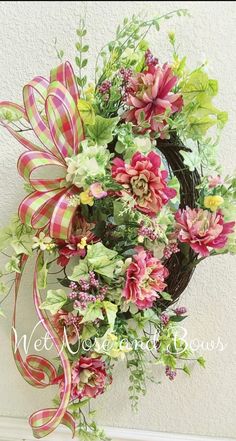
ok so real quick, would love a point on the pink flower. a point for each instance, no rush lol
(215, 181)
(144, 279)
(149, 92)
(66, 323)
(145, 181)
(77, 245)
(202, 230)
(89, 378)
(97, 191)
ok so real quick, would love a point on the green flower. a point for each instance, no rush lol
(88, 166)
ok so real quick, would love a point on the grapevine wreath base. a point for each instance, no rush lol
(137, 201)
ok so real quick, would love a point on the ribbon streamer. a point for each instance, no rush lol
(36, 369)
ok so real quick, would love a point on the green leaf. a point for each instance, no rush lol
(13, 265)
(186, 369)
(85, 48)
(79, 405)
(78, 47)
(169, 360)
(120, 147)
(88, 331)
(42, 273)
(178, 318)
(98, 254)
(213, 87)
(165, 295)
(93, 312)
(77, 60)
(222, 118)
(84, 63)
(191, 159)
(101, 131)
(101, 259)
(10, 114)
(17, 236)
(196, 84)
(201, 361)
(86, 111)
(111, 311)
(22, 245)
(56, 298)
(80, 271)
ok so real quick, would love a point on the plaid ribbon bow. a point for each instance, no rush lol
(59, 128)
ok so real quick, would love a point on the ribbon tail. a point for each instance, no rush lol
(34, 369)
(46, 421)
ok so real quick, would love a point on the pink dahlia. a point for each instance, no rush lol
(89, 378)
(202, 230)
(66, 323)
(145, 181)
(149, 92)
(144, 279)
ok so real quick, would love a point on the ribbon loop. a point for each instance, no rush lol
(65, 75)
(39, 125)
(30, 161)
(63, 118)
(37, 208)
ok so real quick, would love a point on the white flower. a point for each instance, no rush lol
(41, 241)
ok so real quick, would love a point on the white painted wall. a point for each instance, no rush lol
(205, 403)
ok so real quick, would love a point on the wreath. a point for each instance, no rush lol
(124, 198)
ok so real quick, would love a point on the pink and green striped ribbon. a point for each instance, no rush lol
(59, 128)
(39, 372)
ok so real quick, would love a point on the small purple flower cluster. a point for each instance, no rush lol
(73, 293)
(73, 320)
(104, 89)
(150, 59)
(125, 74)
(171, 249)
(147, 232)
(180, 310)
(170, 373)
(164, 319)
(87, 291)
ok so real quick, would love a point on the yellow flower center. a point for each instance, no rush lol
(83, 243)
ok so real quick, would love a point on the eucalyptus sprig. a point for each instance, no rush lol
(82, 49)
